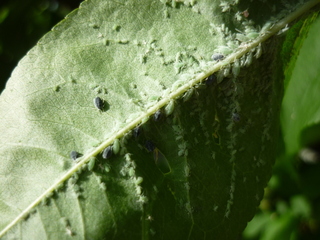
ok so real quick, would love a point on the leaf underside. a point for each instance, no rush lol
(210, 158)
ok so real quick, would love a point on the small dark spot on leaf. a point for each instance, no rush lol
(57, 88)
(106, 42)
(236, 117)
(149, 146)
(94, 25)
(116, 28)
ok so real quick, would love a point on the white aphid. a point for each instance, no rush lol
(116, 146)
(91, 164)
(236, 68)
(168, 110)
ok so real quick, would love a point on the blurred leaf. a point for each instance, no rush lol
(300, 108)
(281, 227)
(257, 225)
(300, 206)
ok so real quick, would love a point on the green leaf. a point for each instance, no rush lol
(300, 109)
(198, 167)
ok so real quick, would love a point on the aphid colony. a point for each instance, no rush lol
(159, 158)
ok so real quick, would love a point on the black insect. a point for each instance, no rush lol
(211, 79)
(157, 116)
(137, 132)
(98, 103)
(149, 146)
(217, 57)
(107, 152)
(236, 117)
(74, 155)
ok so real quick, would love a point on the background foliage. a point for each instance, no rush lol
(22, 24)
(291, 207)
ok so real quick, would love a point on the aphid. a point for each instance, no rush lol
(107, 168)
(57, 88)
(226, 71)
(75, 176)
(106, 42)
(217, 57)
(157, 115)
(116, 146)
(131, 172)
(149, 218)
(253, 35)
(215, 208)
(138, 190)
(220, 76)
(241, 37)
(187, 170)
(211, 79)
(242, 61)
(238, 16)
(236, 68)
(74, 155)
(107, 152)
(259, 51)
(99, 179)
(138, 180)
(103, 186)
(174, 3)
(161, 161)
(169, 108)
(286, 28)
(236, 117)
(223, 27)
(188, 94)
(248, 59)
(224, 50)
(26, 216)
(245, 13)
(98, 103)
(267, 27)
(127, 157)
(149, 146)
(142, 199)
(91, 164)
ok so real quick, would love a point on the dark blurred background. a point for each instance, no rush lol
(22, 24)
